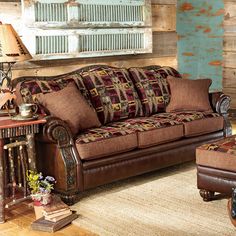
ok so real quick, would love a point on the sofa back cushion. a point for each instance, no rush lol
(69, 105)
(27, 90)
(152, 87)
(112, 93)
(189, 95)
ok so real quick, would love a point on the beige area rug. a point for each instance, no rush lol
(165, 202)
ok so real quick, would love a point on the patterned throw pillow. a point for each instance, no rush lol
(112, 94)
(152, 87)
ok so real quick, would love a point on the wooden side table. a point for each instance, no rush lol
(13, 129)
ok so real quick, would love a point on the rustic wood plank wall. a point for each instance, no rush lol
(164, 43)
(229, 70)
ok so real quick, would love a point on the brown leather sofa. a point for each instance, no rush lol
(62, 155)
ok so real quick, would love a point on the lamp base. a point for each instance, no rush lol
(6, 74)
(7, 106)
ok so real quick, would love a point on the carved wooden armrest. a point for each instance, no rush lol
(57, 131)
(221, 104)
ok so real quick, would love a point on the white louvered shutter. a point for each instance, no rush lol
(87, 28)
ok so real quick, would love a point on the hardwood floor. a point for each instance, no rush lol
(21, 216)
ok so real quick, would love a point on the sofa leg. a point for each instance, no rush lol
(206, 195)
(69, 198)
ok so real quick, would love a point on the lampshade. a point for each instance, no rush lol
(12, 48)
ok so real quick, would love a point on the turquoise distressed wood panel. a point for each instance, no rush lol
(200, 39)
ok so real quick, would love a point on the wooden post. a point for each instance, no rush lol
(2, 183)
(31, 151)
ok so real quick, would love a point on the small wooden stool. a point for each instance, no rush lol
(23, 132)
(216, 167)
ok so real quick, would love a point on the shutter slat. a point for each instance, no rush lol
(128, 12)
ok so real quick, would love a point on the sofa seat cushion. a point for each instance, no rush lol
(152, 87)
(197, 123)
(105, 141)
(112, 94)
(153, 130)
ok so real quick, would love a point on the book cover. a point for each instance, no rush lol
(55, 219)
(49, 226)
(59, 213)
(56, 205)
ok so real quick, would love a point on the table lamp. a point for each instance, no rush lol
(12, 50)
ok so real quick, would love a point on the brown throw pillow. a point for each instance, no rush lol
(189, 95)
(69, 105)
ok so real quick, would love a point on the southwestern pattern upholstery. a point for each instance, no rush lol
(112, 94)
(196, 123)
(226, 146)
(105, 141)
(29, 89)
(152, 130)
(186, 116)
(219, 154)
(165, 71)
(144, 123)
(210, 114)
(152, 87)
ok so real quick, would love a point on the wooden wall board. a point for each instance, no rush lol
(229, 78)
(163, 17)
(230, 16)
(165, 47)
(164, 43)
(64, 67)
(229, 70)
(229, 42)
(229, 59)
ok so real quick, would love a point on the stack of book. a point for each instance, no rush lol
(56, 210)
(56, 215)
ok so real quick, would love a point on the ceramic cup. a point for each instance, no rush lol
(27, 110)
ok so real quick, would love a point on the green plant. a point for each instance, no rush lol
(39, 184)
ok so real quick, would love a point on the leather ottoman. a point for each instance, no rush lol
(216, 167)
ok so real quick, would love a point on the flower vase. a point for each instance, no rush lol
(38, 210)
(40, 200)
